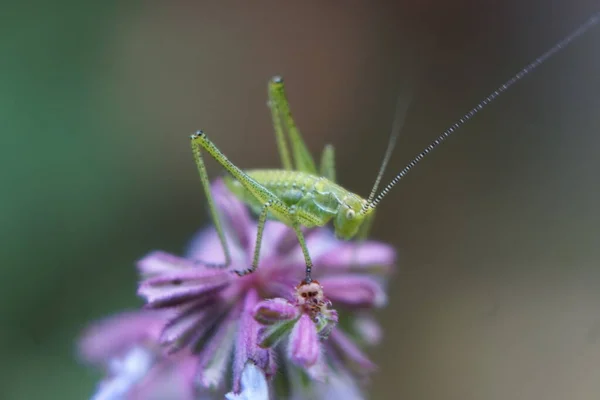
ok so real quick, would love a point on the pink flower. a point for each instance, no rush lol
(234, 326)
(126, 346)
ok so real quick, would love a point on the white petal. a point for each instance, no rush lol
(126, 372)
(254, 385)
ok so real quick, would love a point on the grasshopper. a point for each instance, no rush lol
(300, 195)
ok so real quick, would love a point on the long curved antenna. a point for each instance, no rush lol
(402, 105)
(593, 20)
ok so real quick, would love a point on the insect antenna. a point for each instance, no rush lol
(593, 20)
(402, 105)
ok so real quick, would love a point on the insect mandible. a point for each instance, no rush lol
(300, 195)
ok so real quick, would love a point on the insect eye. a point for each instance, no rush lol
(350, 214)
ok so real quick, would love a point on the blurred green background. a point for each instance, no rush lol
(498, 290)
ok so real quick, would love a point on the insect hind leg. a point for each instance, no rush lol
(327, 167)
(282, 118)
(282, 143)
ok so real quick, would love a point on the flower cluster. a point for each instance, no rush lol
(206, 331)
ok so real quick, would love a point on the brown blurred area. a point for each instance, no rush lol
(497, 294)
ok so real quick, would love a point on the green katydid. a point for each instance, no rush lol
(300, 195)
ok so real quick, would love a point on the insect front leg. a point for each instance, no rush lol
(201, 142)
(262, 220)
(197, 150)
(298, 229)
(365, 228)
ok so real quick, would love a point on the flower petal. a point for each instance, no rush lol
(206, 246)
(236, 223)
(110, 337)
(318, 371)
(354, 290)
(304, 346)
(173, 288)
(189, 324)
(254, 385)
(216, 352)
(350, 352)
(319, 243)
(271, 311)
(235, 213)
(368, 329)
(172, 378)
(160, 262)
(273, 234)
(126, 372)
(247, 342)
(370, 256)
(340, 385)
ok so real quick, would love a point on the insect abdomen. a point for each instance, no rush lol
(309, 194)
(290, 186)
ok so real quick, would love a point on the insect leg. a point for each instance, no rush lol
(199, 142)
(328, 163)
(361, 235)
(282, 144)
(262, 219)
(211, 206)
(365, 228)
(297, 228)
(302, 158)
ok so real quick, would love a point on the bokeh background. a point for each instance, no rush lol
(498, 290)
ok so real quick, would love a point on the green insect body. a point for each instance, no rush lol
(299, 195)
(315, 199)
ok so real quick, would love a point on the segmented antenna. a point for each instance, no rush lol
(402, 105)
(518, 76)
